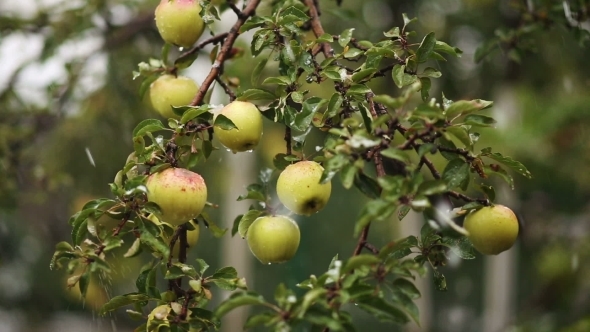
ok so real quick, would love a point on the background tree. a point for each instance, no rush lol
(69, 105)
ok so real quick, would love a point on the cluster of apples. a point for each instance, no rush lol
(182, 194)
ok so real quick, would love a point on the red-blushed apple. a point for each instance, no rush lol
(248, 120)
(179, 22)
(273, 239)
(300, 190)
(167, 91)
(192, 236)
(180, 194)
(492, 229)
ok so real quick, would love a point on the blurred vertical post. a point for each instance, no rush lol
(499, 279)
(411, 225)
(234, 250)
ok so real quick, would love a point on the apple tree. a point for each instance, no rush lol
(404, 148)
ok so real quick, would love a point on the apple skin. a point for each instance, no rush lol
(492, 229)
(167, 91)
(180, 194)
(248, 121)
(299, 188)
(179, 22)
(273, 239)
(192, 236)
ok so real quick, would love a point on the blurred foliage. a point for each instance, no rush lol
(68, 104)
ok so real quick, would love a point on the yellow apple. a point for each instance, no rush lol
(492, 229)
(300, 190)
(179, 22)
(273, 239)
(167, 91)
(248, 121)
(180, 194)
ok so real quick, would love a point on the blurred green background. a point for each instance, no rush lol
(68, 105)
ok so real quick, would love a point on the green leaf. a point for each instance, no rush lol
(456, 174)
(381, 310)
(397, 154)
(432, 187)
(426, 48)
(358, 261)
(376, 209)
(464, 107)
(508, 161)
(334, 106)
(247, 220)
(147, 126)
(280, 80)
(237, 300)
(325, 38)
(440, 282)
(407, 287)
(367, 185)
(260, 319)
(255, 192)
(224, 123)
(446, 48)
(461, 133)
(186, 60)
(461, 246)
(431, 72)
(425, 89)
(347, 175)
(479, 120)
(193, 112)
(345, 37)
(123, 300)
(256, 94)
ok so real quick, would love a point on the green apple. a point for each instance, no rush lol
(192, 236)
(168, 91)
(492, 229)
(273, 239)
(179, 22)
(248, 121)
(300, 190)
(180, 194)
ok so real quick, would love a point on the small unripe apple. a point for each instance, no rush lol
(192, 236)
(273, 239)
(168, 91)
(180, 194)
(248, 121)
(300, 190)
(179, 22)
(492, 229)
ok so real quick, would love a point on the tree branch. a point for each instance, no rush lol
(225, 50)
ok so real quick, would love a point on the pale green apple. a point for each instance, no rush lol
(168, 91)
(273, 239)
(248, 120)
(492, 229)
(180, 194)
(192, 236)
(300, 190)
(179, 22)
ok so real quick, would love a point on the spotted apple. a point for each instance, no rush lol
(273, 239)
(300, 190)
(168, 90)
(179, 22)
(181, 194)
(492, 229)
(248, 122)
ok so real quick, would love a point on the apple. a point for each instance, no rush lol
(492, 229)
(167, 91)
(248, 121)
(179, 22)
(300, 190)
(180, 194)
(273, 239)
(192, 236)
